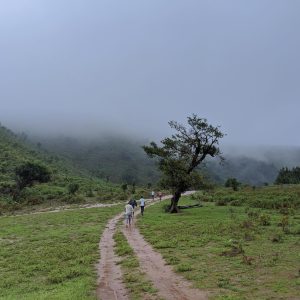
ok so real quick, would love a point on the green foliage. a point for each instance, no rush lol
(73, 188)
(124, 187)
(116, 159)
(183, 152)
(33, 164)
(282, 198)
(287, 176)
(31, 172)
(233, 183)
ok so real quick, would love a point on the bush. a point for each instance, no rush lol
(264, 220)
(31, 172)
(73, 188)
(221, 202)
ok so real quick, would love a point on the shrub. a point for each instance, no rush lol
(264, 220)
(31, 172)
(73, 188)
(221, 202)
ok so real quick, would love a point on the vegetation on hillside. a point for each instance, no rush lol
(113, 159)
(121, 159)
(31, 176)
(288, 176)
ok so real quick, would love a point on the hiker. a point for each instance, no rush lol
(160, 195)
(152, 195)
(133, 203)
(128, 214)
(142, 205)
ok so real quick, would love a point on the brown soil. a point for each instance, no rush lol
(170, 285)
(110, 285)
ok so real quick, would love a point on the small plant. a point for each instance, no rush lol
(73, 188)
(236, 249)
(284, 223)
(264, 220)
(184, 267)
(252, 214)
(124, 187)
(277, 238)
(221, 202)
(249, 236)
(247, 224)
(247, 260)
(89, 193)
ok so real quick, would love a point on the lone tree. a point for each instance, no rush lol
(180, 155)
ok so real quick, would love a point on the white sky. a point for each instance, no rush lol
(89, 66)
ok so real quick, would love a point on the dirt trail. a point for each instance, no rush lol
(65, 208)
(110, 285)
(170, 286)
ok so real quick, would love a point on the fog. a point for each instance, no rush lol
(91, 67)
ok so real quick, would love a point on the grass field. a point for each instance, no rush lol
(51, 255)
(233, 252)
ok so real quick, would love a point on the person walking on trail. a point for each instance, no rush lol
(160, 195)
(152, 195)
(133, 203)
(142, 205)
(128, 214)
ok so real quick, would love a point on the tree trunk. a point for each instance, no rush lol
(174, 202)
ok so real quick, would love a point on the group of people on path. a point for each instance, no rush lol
(130, 206)
(129, 209)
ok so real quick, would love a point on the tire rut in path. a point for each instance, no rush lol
(110, 285)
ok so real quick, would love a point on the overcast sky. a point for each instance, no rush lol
(90, 65)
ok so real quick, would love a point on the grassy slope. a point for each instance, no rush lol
(14, 151)
(51, 255)
(194, 240)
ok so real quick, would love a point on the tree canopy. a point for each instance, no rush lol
(30, 172)
(179, 155)
(288, 176)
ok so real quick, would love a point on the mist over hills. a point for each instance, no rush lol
(120, 158)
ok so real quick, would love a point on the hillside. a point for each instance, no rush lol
(16, 150)
(121, 159)
(116, 158)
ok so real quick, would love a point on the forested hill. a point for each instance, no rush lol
(15, 150)
(246, 170)
(121, 159)
(117, 159)
(65, 183)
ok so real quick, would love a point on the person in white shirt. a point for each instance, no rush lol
(128, 214)
(152, 195)
(142, 205)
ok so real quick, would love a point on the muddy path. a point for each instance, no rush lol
(170, 285)
(110, 285)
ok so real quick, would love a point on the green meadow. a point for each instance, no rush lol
(234, 252)
(232, 246)
(51, 255)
